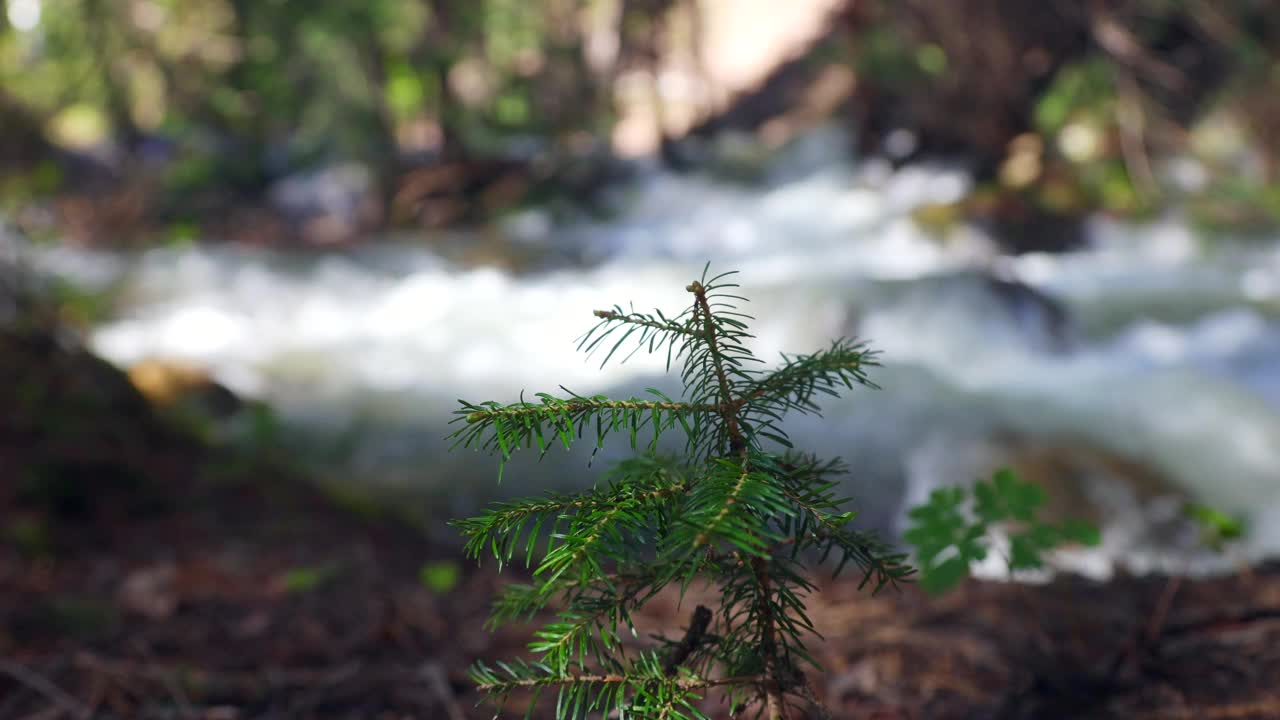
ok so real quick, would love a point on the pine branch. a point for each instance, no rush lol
(614, 592)
(555, 408)
(702, 312)
(506, 428)
(576, 638)
(642, 689)
(816, 522)
(801, 376)
(655, 332)
(795, 385)
(731, 506)
(578, 526)
(517, 681)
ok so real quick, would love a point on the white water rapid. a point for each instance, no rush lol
(1153, 345)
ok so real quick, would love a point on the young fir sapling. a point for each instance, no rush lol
(741, 509)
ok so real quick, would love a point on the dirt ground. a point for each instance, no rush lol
(258, 598)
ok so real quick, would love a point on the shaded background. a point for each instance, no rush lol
(266, 239)
(1057, 222)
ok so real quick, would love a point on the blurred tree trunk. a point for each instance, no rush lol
(439, 49)
(252, 130)
(999, 54)
(22, 140)
(384, 151)
(115, 80)
(573, 94)
(640, 48)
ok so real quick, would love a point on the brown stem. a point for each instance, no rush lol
(694, 636)
(1161, 613)
(728, 408)
(775, 707)
(774, 704)
(581, 404)
(60, 699)
(683, 683)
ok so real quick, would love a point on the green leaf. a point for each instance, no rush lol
(939, 578)
(1007, 497)
(1216, 527)
(1024, 552)
(940, 528)
(1082, 532)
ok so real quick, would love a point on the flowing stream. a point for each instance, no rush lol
(1154, 345)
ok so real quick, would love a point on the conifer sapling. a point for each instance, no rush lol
(740, 509)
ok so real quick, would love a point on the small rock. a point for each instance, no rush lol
(150, 591)
(169, 382)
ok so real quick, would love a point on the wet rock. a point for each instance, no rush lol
(150, 591)
(1086, 482)
(731, 155)
(967, 317)
(170, 383)
(1035, 310)
(331, 205)
(86, 443)
(1020, 225)
(443, 193)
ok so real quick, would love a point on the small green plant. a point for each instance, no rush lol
(949, 536)
(740, 509)
(1218, 532)
(440, 577)
(303, 580)
(1217, 528)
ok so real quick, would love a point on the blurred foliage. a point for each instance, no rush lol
(308, 579)
(440, 577)
(29, 535)
(1217, 529)
(1061, 109)
(949, 535)
(1123, 106)
(228, 95)
(80, 617)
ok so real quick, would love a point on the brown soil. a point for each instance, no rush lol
(199, 611)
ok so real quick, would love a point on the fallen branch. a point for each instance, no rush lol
(43, 686)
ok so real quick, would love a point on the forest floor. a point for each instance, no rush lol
(260, 598)
(151, 576)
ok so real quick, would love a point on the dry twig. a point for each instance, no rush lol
(45, 687)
